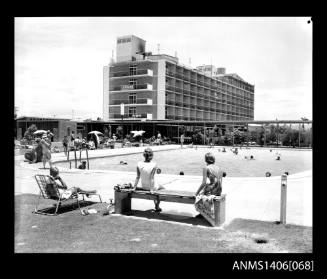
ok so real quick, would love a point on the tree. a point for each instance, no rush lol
(238, 136)
(197, 137)
(228, 137)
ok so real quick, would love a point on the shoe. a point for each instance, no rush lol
(199, 216)
(158, 209)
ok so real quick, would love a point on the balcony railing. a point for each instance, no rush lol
(170, 103)
(186, 91)
(132, 87)
(128, 102)
(118, 116)
(132, 73)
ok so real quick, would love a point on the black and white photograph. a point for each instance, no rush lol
(163, 135)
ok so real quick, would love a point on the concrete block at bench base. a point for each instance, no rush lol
(122, 202)
(219, 210)
(219, 205)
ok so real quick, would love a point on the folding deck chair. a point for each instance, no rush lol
(49, 190)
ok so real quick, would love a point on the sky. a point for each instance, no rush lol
(59, 60)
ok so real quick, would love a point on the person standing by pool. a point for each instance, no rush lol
(46, 150)
(65, 144)
(207, 191)
(50, 136)
(182, 140)
(146, 171)
(72, 136)
(159, 138)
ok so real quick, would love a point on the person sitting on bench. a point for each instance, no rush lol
(207, 191)
(64, 191)
(146, 171)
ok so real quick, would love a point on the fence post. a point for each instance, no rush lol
(87, 157)
(75, 158)
(283, 199)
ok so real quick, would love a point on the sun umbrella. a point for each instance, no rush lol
(38, 132)
(96, 133)
(137, 133)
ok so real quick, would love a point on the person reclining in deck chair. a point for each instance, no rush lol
(64, 191)
(146, 171)
(207, 191)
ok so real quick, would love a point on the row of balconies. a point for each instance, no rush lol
(140, 72)
(206, 118)
(187, 78)
(214, 110)
(205, 96)
(209, 86)
(194, 102)
(204, 108)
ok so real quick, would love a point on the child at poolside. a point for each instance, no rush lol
(146, 171)
(82, 166)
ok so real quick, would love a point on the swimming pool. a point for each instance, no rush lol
(191, 161)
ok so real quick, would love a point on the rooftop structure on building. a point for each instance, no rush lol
(145, 86)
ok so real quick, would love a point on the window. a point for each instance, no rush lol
(131, 111)
(125, 40)
(132, 70)
(133, 81)
(132, 98)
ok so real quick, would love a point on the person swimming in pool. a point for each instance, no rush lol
(146, 170)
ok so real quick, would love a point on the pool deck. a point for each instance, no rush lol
(256, 198)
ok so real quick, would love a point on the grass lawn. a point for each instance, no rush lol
(70, 232)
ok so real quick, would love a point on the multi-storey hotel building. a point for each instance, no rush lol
(158, 87)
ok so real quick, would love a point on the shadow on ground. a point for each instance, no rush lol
(70, 232)
(65, 207)
(48, 206)
(179, 217)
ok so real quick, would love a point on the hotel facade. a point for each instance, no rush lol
(143, 86)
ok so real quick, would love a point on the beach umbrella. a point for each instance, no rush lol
(96, 133)
(39, 132)
(137, 133)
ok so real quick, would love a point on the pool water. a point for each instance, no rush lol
(191, 161)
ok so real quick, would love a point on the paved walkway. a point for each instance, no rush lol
(256, 198)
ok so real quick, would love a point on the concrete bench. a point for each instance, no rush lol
(123, 199)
